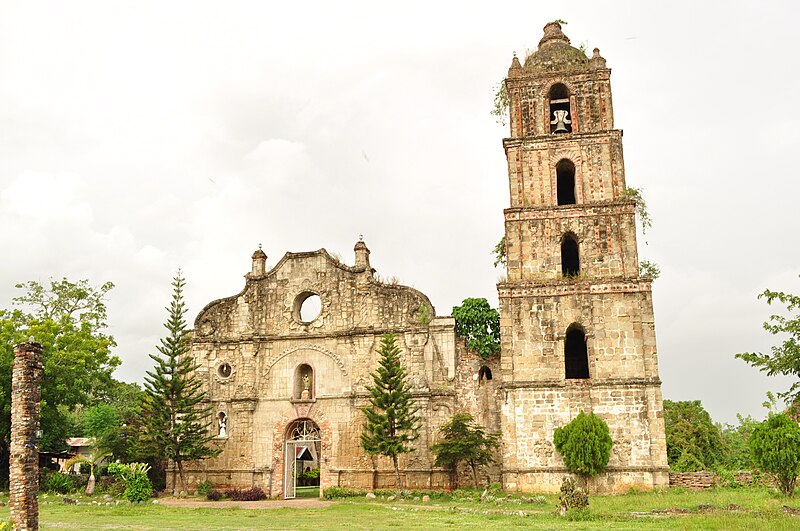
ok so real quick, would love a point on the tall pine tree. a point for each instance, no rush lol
(176, 424)
(392, 421)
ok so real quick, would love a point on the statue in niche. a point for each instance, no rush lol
(223, 424)
(306, 394)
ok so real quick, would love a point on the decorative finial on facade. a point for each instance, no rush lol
(597, 62)
(362, 254)
(516, 68)
(259, 262)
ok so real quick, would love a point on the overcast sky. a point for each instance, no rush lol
(137, 137)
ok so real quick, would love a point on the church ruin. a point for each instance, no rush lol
(286, 362)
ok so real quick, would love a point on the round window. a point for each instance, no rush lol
(307, 307)
(224, 370)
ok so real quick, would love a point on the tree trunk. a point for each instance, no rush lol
(90, 484)
(183, 479)
(474, 474)
(397, 472)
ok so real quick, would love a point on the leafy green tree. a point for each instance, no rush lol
(585, 443)
(693, 440)
(173, 416)
(775, 444)
(462, 440)
(784, 358)
(479, 324)
(392, 420)
(736, 453)
(69, 320)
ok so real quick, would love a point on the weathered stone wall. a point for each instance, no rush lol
(606, 237)
(26, 393)
(250, 347)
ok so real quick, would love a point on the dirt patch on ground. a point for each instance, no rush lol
(300, 503)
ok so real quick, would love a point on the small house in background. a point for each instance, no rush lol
(78, 447)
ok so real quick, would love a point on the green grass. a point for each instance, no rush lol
(759, 509)
(307, 492)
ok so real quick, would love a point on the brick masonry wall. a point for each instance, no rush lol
(24, 462)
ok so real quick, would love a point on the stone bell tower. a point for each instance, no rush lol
(577, 326)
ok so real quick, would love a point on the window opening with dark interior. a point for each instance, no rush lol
(560, 116)
(570, 258)
(303, 382)
(576, 358)
(484, 374)
(565, 182)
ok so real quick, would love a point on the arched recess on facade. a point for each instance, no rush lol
(570, 255)
(565, 182)
(302, 456)
(576, 355)
(560, 111)
(303, 388)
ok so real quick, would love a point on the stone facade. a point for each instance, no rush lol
(256, 348)
(577, 326)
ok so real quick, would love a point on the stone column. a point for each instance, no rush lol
(26, 393)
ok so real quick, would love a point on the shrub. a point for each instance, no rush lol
(138, 488)
(252, 494)
(573, 500)
(58, 483)
(335, 493)
(775, 444)
(585, 444)
(204, 488)
(214, 495)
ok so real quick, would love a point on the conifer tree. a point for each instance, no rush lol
(392, 420)
(174, 420)
(585, 444)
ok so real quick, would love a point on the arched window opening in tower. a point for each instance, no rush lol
(570, 258)
(560, 115)
(484, 374)
(576, 358)
(565, 182)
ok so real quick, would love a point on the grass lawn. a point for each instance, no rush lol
(746, 508)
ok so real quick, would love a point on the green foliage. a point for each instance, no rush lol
(461, 439)
(204, 488)
(69, 320)
(775, 444)
(175, 421)
(635, 194)
(500, 103)
(56, 482)
(735, 442)
(693, 440)
(479, 324)
(134, 475)
(138, 488)
(585, 444)
(392, 420)
(337, 493)
(500, 251)
(573, 501)
(649, 270)
(424, 314)
(784, 358)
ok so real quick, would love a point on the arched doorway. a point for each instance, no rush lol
(302, 459)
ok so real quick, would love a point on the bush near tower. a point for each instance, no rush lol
(585, 444)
